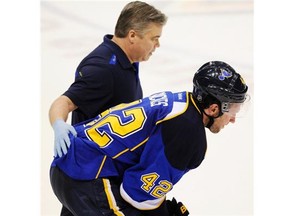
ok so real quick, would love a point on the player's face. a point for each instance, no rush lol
(222, 121)
(144, 46)
(226, 118)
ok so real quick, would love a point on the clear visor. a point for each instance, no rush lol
(236, 109)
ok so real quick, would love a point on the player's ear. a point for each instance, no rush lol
(213, 110)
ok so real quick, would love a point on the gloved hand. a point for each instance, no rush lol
(176, 208)
(61, 138)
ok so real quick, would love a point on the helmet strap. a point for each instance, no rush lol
(211, 119)
(210, 123)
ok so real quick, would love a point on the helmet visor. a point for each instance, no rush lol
(236, 109)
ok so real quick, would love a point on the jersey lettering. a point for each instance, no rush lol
(159, 99)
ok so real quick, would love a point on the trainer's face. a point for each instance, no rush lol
(145, 45)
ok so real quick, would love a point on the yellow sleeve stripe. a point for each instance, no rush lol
(120, 153)
(137, 146)
(124, 151)
(101, 166)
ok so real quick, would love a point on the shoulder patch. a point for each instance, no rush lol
(180, 96)
(113, 60)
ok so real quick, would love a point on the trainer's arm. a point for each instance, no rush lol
(60, 109)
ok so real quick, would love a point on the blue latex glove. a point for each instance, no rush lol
(61, 137)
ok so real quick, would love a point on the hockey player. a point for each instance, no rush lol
(125, 160)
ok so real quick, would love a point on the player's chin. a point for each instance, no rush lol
(215, 130)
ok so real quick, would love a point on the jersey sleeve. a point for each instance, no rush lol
(184, 150)
(175, 147)
(146, 184)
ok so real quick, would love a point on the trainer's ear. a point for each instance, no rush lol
(213, 110)
(131, 36)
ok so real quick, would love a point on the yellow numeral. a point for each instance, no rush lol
(116, 126)
(161, 189)
(149, 181)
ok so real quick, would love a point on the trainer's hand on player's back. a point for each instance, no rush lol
(61, 137)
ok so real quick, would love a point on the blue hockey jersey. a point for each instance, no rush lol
(149, 144)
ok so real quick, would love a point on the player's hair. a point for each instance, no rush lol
(138, 15)
(209, 100)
